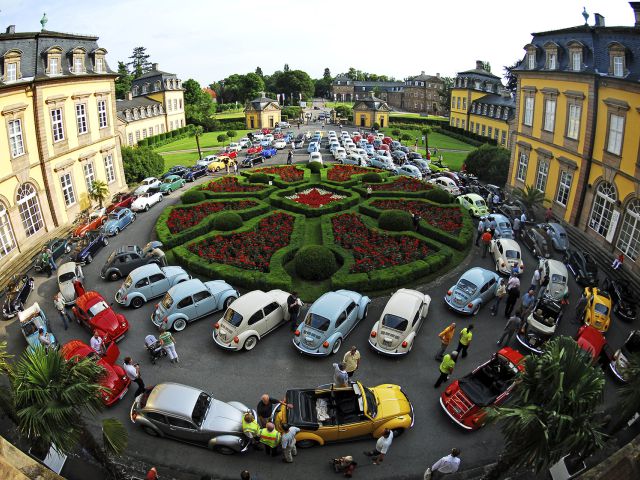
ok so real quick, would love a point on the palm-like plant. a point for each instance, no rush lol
(197, 132)
(552, 411)
(6, 397)
(99, 191)
(630, 393)
(52, 394)
(530, 196)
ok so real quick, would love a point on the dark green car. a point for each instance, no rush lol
(171, 184)
(58, 246)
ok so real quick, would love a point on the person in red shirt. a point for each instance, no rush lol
(486, 241)
(152, 474)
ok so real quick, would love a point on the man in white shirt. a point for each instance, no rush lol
(44, 338)
(446, 465)
(340, 376)
(133, 372)
(523, 218)
(289, 442)
(382, 447)
(96, 343)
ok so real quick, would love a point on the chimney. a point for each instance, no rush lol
(599, 20)
(437, 75)
(422, 72)
(636, 11)
(11, 29)
(154, 66)
(479, 65)
(129, 95)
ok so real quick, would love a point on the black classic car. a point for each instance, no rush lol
(125, 259)
(89, 245)
(175, 170)
(58, 246)
(194, 173)
(583, 267)
(510, 210)
(249, 162)
(17, 293)
(625, 301)
(535, 238)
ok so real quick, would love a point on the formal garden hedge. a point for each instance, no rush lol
(348, 175)
(279, 199)
(283, 176)
(229, 187)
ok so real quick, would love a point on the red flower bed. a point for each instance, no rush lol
(230, 184)
(250, 250)
(373, 250)
(287, 174)
(186, 217)
(446, 219)
(405, 184)
(315, 197)
(343, 173)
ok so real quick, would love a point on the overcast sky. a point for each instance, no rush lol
(209, 40)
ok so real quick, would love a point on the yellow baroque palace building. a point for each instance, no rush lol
(57, 133)
(577, 134)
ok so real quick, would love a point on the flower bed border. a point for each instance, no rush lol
(277, 180)
(355, 178)
(170, 240)
(278, 200)
(384, 278)
(260, 194)
(459, 242)
(362, 190)
(277, 277)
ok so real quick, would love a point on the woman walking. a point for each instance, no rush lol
(169, 345)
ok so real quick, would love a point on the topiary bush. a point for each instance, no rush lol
(193, 196)
(259, 178)
(372, 178)
(315, 262)
(406, 137)
(439, 195)
(395, 220)
(315, 167)
(227, 221)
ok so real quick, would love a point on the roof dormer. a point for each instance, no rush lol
(12, 70)
(617, 59)
(531, 60)
(551, 50)
(99, 62)
(78, 55)
(53, 57)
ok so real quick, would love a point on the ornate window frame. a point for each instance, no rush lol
(12, 57)
(53, 55)
(78, 64)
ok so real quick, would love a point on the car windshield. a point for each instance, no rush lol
(170, 179)
(601, 308)
(511, 254)
(480, 203)
(562, 235)
(318, 322)
(66, 277)
(201, 408)
(128, 282)
(167, 301)
(466, 286)
(555, 278)
(113, 216)
(504, 225)
(233, 317)
(395, 322)
(372, 404)
(99, 307)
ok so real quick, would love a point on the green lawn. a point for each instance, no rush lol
(414, 115)
(335, 104)
(238, 114)
(185, 159)
(208, 139)
(437, 140)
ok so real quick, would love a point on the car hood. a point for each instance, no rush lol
(67, 291)
(107, 321)
(110, 224)
(223, 417)
(391, 401)
(556, 290)
(389, 338)
(112, 378)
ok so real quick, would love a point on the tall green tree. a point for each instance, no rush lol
(123, 82)
(327, 74)
(489, 163)
(295, 83)
(99, 191)
(197, 132)
(448, 83)
(198, 105)
(139, 63)
(512, 80)
(286, 67)
(553, 410)
(251, 85)
(259, 72)
(140, 163)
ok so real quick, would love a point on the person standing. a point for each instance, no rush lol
(251, 430)
(446, 465)
(96, 343)
(59, 304)
(270, 438)
(133, 372)
(535, 280)
(446, 367)
(351, 361)
(528, 302)
(340, 376)
(235, 167)
(481, 229)
(445, 339)
(78, 287)
(265, 407)
(511, 327)
(44, 338)
(293, 306)
(289, 449)
(548, 215)
(544, 283)
(580, 308)
(489, 200)
(492, 226)
(512, 298)
(46, 262)
(501, 292)
(169, 345)
(617, 262)
(416, 220)
(466, 335)
(486, 241)
(382, 447)
(290, 157)
(516, 228)
(523, 219)
(52, 261)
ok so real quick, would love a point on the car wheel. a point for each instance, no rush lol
(89, 259)
(228, 301)
(306, 443)
(146, 207)
(105, 241)
(67, 249)
(366, 311)
(475, 312)
(161, 197)
(116, 231)
(137, 302)
(150, 431)
(224, 450)
(336, 346)
(113, 276)
(250, 343)
(179, 325)
(133, 218)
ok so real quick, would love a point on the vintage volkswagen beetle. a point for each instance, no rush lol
(474, 204)
(620, 361)
(540, 324)
(67, 274)
(597, 313)
(558, 236)
(94, 313)
(118, 220)
(147, 282)
(476, 287)
(174, 182)
(583, 267)
(129, 257)
(556, 271)
(31, 320)
(624, 299)
(507, 256)
(89, 246)
(58, 247)
(17, 294)
(535, 238)
(503, 226)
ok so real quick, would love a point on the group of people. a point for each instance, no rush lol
(448, 361)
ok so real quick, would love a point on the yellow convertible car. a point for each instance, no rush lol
(333, 414)
(219, 164)
(597, 312)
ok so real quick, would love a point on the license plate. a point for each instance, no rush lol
(124, 392)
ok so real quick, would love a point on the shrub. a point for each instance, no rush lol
(489, 163)
(231, 134)
(227, 221)
(372, 178)
(140, 163)
(193, 196)
(395, 220)
(376, 126)
(439, 195)
(259, 178)
(315, 167)
(396, 133)
(292, 113)
(406, 137)
(315, 262)
(222, 138)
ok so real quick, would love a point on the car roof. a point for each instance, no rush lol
(509, 244)
(173, 398)
(250, 302)
(477, 275)
(331, 304)
(128, 249)
(404, 303)
(556, 266)
(66, 268)
(187, 287)
(498, 217)
(145, 271)
(89, 298)
(473, 196)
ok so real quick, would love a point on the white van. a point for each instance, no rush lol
(447, 184)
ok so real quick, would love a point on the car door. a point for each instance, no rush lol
(352, 317)
(159, 421)
(256, 322)
(158, 285)
(183, 428)
(142, 286)
(204, 303)
(273, 315)
(486, 292)
(187, 308)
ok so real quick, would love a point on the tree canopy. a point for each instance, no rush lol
(140, 163)
(123, 82)
(198, 105)
(489, 163)
(139, 63)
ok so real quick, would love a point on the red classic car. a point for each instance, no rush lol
(265, 131)
(488, 385)
(371, 138)
(115, 381)
(593, 342)
(121, 200)
(383, 147)
(254, 149)
(278, 135)
(387, 140)
(93, 311)
(227, 153)
(94, 222)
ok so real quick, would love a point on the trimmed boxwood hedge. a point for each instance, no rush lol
(264, 193)
(277, 277)
(362, 190)
(315, 262)
(259, 178)
(355, 179)
(460, 242)
(227, 221)
(277, 181)
(170, 240)
(278, 200)
(315, 167)
(395, 221)
(438, 195)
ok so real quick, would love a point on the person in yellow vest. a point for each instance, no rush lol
(445, 339)
(446, 367)
(270, 437)
(251, 429)
(465, 339)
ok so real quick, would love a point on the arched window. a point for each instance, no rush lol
(603, 208)
(134, 90)
(157, 85)
(29, 208)
(7, 240)
(629, 240)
